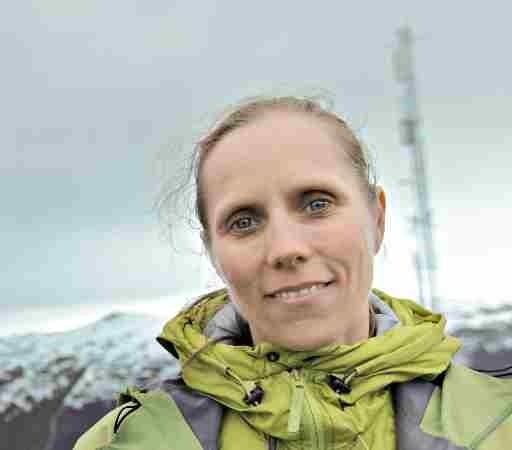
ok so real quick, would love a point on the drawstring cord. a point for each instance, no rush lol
(340, 385)
(253, 392)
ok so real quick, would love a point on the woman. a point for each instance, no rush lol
(298, 352)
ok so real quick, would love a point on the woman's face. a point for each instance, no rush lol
(287, 212)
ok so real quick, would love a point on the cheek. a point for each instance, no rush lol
(236, 268)
(345, 239)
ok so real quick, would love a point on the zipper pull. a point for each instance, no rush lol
(295, 415)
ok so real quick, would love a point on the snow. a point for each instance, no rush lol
(94, 362)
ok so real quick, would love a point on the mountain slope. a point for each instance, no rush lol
(46, 378)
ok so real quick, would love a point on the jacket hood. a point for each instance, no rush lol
(267, 384)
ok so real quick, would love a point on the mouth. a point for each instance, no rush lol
(293, 293)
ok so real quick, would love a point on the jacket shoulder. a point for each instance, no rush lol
(470, 408)
(143, 420)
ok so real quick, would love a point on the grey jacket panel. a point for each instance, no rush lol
(203, 414)
(410, 402)
(384, 315)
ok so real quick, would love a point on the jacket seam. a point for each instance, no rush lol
(491, 427)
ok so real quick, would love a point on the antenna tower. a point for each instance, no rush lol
(424, 255)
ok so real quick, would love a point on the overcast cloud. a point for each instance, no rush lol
(91, 91)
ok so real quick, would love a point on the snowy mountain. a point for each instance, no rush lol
(63, 374)
(486, 328)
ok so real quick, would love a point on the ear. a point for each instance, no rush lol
(380, 217)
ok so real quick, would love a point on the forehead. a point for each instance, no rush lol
(278, 137)
(278, 149)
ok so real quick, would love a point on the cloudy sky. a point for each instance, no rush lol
(93, 93)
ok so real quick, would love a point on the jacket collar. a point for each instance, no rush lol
(228, 325)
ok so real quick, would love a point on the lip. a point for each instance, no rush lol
(297, 286)
(308, 299)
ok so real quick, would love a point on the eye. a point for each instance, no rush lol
(318, 205)
(242, 224)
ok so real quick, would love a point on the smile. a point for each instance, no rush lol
(297, 293)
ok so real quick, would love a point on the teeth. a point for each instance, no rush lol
(300, 292)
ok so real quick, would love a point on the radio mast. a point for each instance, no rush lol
(410, 140)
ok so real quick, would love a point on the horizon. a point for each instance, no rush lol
(55, 318)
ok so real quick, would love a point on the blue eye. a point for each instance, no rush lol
(318, 205)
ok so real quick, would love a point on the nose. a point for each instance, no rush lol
(286, 244)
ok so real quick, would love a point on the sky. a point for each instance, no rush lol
(100, 100)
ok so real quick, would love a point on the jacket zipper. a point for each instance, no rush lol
(301, 410)
(296, 407)
(297, 402)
